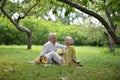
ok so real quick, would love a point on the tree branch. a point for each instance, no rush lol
(16, 25)
(101, 19)
(27, 12)
(97, 16)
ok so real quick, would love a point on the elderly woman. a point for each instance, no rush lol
(69, 53)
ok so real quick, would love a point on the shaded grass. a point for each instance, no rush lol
(98, 63)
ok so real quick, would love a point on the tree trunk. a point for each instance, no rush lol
(29, 40)
(28, 33)
(113, 27)
(110, 42)
(97, 16)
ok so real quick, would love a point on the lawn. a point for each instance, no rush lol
(99, 64)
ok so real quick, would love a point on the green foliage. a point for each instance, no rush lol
(9, 34)
(68, 11)
(40, 30)
(98, 63)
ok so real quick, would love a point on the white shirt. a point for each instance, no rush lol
(49, 46)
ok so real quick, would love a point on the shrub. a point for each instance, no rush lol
(41, 28)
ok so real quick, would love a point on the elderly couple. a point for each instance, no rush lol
(50, 55)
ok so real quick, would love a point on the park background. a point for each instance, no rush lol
(99, 56)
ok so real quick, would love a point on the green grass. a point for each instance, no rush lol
(99, 64)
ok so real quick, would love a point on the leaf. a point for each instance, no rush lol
(54, 11)
(67, 12)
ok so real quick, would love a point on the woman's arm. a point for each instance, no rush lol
(73, 55)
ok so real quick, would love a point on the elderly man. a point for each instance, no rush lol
(49, 53)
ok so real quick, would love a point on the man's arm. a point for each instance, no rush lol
(60, 46)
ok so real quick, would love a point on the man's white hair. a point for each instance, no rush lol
(50, 35)
(70, 40)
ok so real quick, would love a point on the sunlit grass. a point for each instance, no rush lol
(99, 64)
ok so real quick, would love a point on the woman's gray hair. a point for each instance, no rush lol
(70, 40)
(50, 35)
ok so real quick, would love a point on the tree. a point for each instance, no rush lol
(16, 19)
(113, 27)
(46, 5)
(97, 16)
